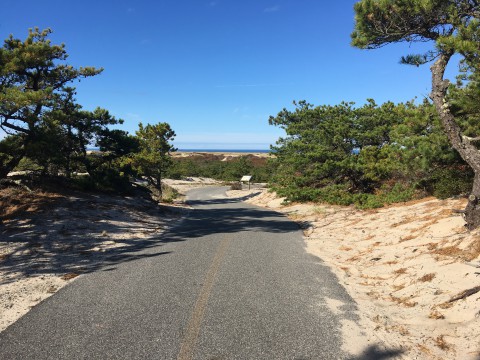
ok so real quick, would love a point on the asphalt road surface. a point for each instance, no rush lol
(232, 281)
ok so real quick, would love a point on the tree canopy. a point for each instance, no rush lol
(33, 76)
(368, 155)
(33, 90)
(51, 132)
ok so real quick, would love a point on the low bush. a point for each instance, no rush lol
(452, 181)
(340, 195)
(168, 193)
(236, 186)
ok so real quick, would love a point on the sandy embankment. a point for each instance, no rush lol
(409, 267)
(50, 239)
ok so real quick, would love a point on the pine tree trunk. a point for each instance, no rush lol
(462, 144)
(3, 172)
(472, 211)
(159, 185)
(68, 163)
(11, 165)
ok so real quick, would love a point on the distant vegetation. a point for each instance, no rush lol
(221, 167)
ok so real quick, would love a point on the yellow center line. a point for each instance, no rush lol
(193, 328)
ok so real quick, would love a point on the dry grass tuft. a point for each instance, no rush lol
(400, 271)
(408, 237)
(427, 277)
(428, 218)
(455, 252)
(398, 287)
(446, 305)
(373, 294)
(437, 315)
(474, 249)
(461, 230)
(441, 343)
(402, 330)
(69, 276)
(445, 213)
(52, 289)
(294, 216)
(427, 225)
(319, 210)
(407, 220)
(403, 301)
(354, 222)
(358, 256)
(423, 349)
(15, 201)
(391, 262)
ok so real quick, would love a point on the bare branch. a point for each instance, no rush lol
(4, 124)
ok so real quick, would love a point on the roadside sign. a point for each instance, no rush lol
(246, 178)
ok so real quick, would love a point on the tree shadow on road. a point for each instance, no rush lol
(223, 216)
(77, 233)
(81, 233)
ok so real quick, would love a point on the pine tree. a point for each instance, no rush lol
(153, 158)
(453, 26)
(33, 77)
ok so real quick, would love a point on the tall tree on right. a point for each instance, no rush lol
(453, 26)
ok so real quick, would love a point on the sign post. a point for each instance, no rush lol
(246, 178)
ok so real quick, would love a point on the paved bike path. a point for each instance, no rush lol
(232, 281)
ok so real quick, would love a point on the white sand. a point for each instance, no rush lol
(42, 251)
(401, 264)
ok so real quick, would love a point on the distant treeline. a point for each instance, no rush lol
(221, 167)
(368, 156)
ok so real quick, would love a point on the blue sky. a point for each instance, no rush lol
(216, 70)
